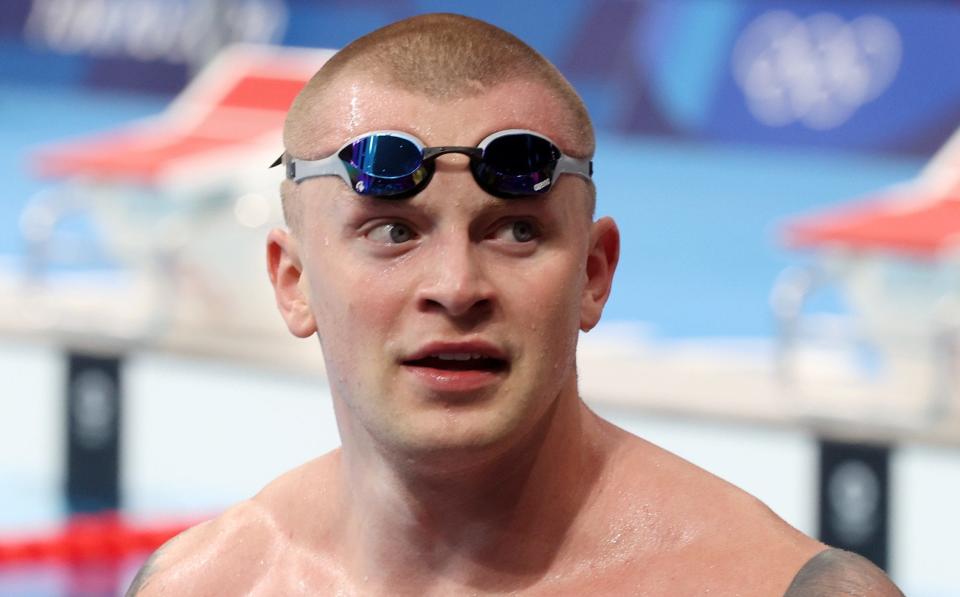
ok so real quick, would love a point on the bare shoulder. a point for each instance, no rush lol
(728, 516)
(711, 530)
(186, 563)
(233, 552)
(707, 502)
(840, 573)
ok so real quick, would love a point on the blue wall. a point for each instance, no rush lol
(861, 75)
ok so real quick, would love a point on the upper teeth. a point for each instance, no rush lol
(458, 356)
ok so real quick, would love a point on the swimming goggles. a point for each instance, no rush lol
(396, 165)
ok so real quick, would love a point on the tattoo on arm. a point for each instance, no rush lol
(842, 574)
(143, 576)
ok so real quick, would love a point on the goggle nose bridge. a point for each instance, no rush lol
(431, 153)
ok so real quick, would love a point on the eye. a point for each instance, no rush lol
(391, 233)
(518, 231)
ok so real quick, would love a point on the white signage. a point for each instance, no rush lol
(817, 70)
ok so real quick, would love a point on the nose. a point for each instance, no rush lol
(456, 284)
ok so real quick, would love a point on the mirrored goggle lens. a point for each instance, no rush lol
(385, 156)
(520, 154)
(384, 165)
(517, 165)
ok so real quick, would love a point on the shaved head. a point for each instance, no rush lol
(442, 57)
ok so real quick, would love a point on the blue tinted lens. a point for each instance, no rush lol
(385, 165)
(383, 156)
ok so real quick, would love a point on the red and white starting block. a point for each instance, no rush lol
(182, 202)
(896, 260)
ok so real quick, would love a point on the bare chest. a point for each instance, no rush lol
(303, 574)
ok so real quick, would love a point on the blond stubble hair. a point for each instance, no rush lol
(439, 56)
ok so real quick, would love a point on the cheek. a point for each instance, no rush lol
(550, 298)
(358, 303)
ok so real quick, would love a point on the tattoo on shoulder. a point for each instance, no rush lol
(843, 574)
(149, 568)
(143, 575)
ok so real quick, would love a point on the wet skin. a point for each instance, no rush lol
(457, 480)
(463, 280)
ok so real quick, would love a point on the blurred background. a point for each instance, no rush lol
(784, 313)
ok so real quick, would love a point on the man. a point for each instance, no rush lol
(447, 285)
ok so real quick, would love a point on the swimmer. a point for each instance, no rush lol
(441, 244)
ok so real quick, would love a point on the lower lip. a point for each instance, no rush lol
(445, 380)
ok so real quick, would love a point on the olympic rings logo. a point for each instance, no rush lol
(817, 70)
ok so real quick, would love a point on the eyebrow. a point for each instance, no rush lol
(526, 204)
(490, 204)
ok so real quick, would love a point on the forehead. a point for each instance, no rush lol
(352, 107)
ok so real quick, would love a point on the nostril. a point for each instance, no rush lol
(464, 314)
(432, 305)
(481, 304)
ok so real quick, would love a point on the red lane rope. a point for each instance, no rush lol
(86, 537)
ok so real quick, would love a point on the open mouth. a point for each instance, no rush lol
(460, 362)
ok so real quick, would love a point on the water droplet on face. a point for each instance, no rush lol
(354, 106)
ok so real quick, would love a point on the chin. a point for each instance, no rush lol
(464, 437)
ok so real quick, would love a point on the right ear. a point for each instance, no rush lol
(286, 274)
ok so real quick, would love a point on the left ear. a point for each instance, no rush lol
(286, 274)
(602, 257)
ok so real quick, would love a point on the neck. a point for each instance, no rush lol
(498, 523)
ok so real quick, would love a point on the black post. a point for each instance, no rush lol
(93, 433)
(855, 498)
